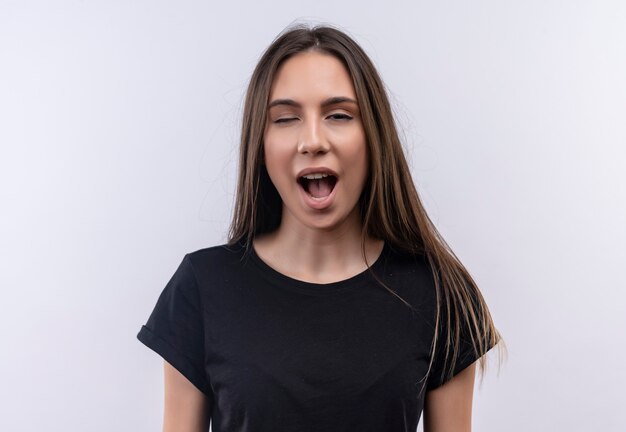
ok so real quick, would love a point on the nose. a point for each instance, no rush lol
(312, 139)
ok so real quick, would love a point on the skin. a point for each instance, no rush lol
(319, 246)
(449, 408)
(446, 409)
(186, 409)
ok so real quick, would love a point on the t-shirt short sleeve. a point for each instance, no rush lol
(175, 330)
(465, 355)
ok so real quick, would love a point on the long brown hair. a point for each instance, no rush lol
(389, 205)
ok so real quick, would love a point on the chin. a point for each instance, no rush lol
(324, 222)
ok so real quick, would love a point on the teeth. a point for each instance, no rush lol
(314, 176)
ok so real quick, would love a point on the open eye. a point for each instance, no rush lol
(340, 116)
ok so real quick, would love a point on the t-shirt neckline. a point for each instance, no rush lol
(291, 283)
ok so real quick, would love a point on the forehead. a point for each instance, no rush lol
(311, 76)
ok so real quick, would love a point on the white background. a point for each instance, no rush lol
(119, 125)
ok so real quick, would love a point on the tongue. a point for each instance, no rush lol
(321, 187)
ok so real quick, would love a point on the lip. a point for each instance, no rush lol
(317, 204)
(321, 170)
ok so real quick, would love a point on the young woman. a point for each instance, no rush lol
(335, 305)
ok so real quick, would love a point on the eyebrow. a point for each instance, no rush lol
(330, 101)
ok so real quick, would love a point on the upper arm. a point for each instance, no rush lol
(448, 408)
(186, 408)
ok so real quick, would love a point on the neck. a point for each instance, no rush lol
(315, 254)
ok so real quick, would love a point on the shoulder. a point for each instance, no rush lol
(216, 253)
(409, 275)
(401, 265)
(217, 261)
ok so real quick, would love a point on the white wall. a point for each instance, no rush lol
(118, 128)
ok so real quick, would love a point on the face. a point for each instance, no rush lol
(314, 143)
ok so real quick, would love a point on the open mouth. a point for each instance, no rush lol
(318, 185)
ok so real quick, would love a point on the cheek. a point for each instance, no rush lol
(356, 159)
(276, 162)
(358, 156)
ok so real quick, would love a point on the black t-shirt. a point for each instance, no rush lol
(278, 354)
